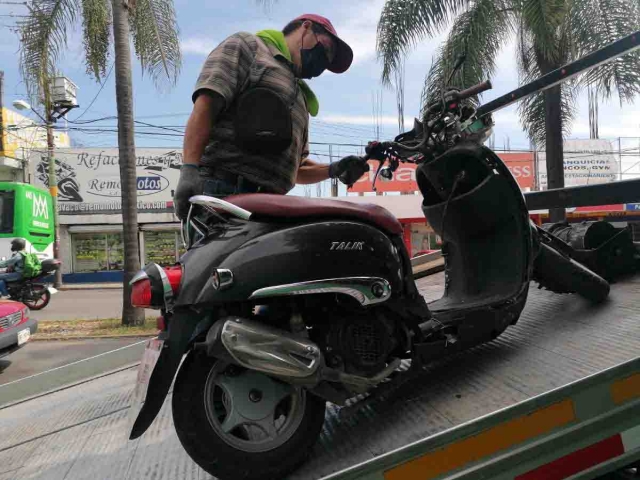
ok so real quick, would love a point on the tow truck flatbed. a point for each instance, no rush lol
(80, 432)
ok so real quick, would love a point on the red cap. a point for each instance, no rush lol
(344, 55)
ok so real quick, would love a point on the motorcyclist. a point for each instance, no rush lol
(14, 265)
(248, 131)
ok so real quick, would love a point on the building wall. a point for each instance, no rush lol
(22, 136)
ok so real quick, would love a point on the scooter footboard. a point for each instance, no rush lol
(486, 234)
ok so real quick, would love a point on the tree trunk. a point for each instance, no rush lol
(554, 147)
(127, 153)
(553, 135)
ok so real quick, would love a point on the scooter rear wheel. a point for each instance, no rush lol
(242, 425)
(38, 298)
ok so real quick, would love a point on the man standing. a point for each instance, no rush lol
(249, 128)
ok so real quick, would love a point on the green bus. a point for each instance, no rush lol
(26, 212)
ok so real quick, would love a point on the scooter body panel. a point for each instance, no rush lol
(266, 255)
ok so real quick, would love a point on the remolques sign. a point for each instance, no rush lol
(520, 164)
(89, 179)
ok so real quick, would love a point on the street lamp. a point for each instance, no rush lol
(53, 182)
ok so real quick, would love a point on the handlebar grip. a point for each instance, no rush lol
(475, 90)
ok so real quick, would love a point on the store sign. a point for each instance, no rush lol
(89, 179)
(586, 162)
(520, 164)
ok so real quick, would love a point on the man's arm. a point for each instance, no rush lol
(206, 109)
(349, 170)
(11, 262)
(312, 172)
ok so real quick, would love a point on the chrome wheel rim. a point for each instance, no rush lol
(251, 411)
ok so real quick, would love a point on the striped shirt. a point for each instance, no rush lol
(240, 62)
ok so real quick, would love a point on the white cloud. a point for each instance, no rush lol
(197, 45)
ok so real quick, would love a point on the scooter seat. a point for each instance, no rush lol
(290, 207)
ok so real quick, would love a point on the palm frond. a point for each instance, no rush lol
(405, 22)
(96, 23)
(479, 34)
(596, 23)
(544, 19)
(43, 37)
(532, 109)
(156, 40)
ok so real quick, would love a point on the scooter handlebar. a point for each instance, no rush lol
(475, 90)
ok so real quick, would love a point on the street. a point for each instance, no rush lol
(45, 365)
(85, 305)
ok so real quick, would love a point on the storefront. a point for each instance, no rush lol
(91, 242)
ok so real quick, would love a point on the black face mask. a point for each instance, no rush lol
(314, 61)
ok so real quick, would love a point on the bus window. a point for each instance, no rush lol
(7, 203)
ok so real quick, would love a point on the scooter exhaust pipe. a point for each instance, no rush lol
(262, 348)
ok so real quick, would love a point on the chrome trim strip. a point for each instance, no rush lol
(226, 278)
(141, 275)
(167, 291)
(360, 288)
(213, 204)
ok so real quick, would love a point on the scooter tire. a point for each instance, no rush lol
(561, 274)
(212, 453)
(45, 297)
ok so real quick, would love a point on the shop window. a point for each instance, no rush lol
(162, 248)
(7, 202)
(115, 251)
(423, 238)
(97, 252)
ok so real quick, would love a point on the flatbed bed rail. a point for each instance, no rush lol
(589, 427)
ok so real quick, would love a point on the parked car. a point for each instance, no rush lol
(16, 327)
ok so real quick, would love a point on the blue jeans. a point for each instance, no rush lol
(8, 277)
(215, 187)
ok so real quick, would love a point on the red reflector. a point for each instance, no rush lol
(160, 323)
(174, 274)
(141, 294)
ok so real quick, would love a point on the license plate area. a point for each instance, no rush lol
(24, 336)
(147, 364)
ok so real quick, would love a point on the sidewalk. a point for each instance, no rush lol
(90, 286)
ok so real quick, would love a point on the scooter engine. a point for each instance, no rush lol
(360, 345)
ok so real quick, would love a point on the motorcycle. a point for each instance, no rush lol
(282, 304)
(34, 292)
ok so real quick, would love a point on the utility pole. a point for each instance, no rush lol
(53, 190)
(1, 112)
(334, 181)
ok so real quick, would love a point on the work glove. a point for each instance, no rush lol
(189, 184)
(349, 169)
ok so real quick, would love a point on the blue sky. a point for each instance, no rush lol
(346, 103)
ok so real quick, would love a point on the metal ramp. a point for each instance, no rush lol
(79, 432)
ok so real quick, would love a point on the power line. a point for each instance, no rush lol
(97, 94)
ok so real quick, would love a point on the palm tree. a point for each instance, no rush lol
(152, 24)
(548, 34)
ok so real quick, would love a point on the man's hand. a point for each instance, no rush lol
(190, 184)
(349, 169)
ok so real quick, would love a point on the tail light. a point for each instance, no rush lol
(155, 287)
(141, 294)
(174, 274)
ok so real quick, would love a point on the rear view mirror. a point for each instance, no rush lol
(386, 174)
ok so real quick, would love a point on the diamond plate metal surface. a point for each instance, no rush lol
(80, 433)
